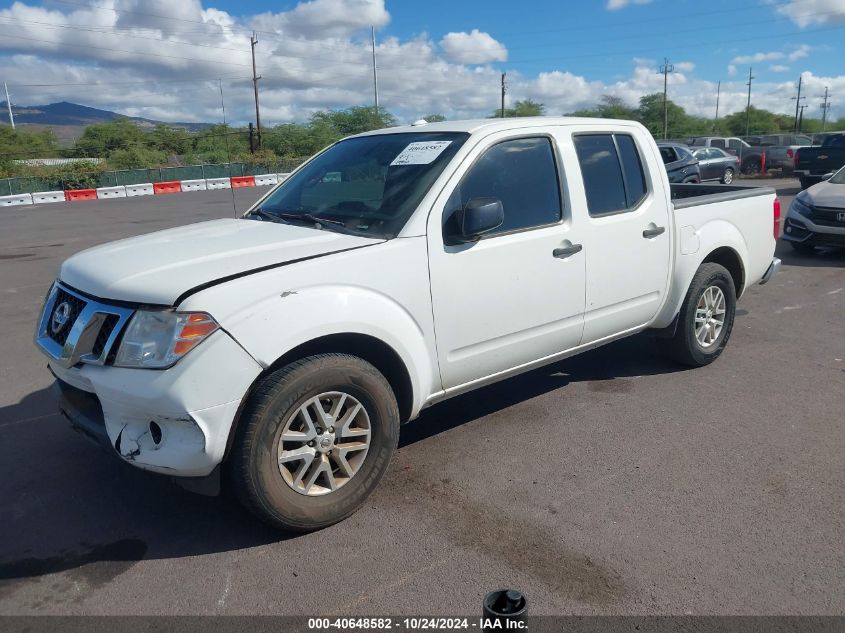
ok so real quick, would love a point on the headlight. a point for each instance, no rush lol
(156, 340)
(801, 207)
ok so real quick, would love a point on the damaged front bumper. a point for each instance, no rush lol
(175, 421)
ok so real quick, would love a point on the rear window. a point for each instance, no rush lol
(614, 179)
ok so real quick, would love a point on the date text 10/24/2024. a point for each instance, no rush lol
(416, 624)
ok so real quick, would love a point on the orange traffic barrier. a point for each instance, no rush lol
(167, 187)
(242, 181)
(75, 195)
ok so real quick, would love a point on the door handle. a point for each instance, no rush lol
(649, 233)
(565, 252)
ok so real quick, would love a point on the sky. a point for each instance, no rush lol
(167, 59)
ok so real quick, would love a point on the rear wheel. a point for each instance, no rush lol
(728, 176)
(706, 318)
(751, 167)
(314, 440)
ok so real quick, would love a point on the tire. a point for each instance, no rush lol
(693, 180)
(728, 176)
(751, 167)
(255, 469)
(802, 247)
(684, 347)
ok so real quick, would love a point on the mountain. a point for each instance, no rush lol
(68, 120)
(64, 113)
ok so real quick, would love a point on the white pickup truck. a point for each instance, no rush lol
(395, 269)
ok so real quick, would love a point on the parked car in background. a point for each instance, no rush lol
(780, 149)
(716, 164)
(821, 137)
(751, 158)
(817, 215)
(681, 165)
(813, 163)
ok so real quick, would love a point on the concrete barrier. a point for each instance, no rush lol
(218, 183)
(239, 182)
(13, 201)
(193, 185)
(80, 195)
(282, 177)
(145, 189)
(265, 180)
(46, 197)
(173, 186)
(111, 192)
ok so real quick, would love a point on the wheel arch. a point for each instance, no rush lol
(730, 259)
(369, 348)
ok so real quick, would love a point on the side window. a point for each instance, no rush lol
(718, 142)
(522, 174)
(668, 155)
(613, 178)
(735, 143)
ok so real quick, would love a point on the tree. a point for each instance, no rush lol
(434, 118)
(526, 107)
(100, 139)
(681, 124)
(354, 120)
(22, 143)
(759, 122)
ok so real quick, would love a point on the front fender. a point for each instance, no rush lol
(694, 248)
(283, 322)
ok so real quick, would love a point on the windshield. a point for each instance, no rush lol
(368, 185)
(838, 178)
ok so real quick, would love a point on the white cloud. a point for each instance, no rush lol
(799, 53)
(143, 65)
(778, 68)
(810, 12)
(756, 58)
(731, 69)
(476, 47)
(614, 5)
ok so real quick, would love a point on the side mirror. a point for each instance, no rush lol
(827, 176)
(479, 216)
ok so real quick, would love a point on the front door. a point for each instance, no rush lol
(517, 294)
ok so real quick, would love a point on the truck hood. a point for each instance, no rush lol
(160, 267)
(827, 194)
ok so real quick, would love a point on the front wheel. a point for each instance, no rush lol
(706, 318)
(728, 176)
(314, 440)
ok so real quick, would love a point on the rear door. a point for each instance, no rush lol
(517, 294)
(628, 234)
(705, 161)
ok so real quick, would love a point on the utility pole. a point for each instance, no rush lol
(375, 69)
(718, 94)
(801, 118)
(666, 68)
(825, 108)
(253, 41)
(9, 105)
(748, 104)
(504, 90)
(798, 103)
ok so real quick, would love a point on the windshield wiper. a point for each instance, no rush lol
(266, 215)
(310, 217)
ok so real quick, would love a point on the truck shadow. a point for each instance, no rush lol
(75, 511)
(820, 258)
(605, 368)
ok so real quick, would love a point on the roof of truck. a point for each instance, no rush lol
(493, 125)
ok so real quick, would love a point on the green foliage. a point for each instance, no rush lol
(101, 139)
(81, 175)
(434, 118)
(21, 144)
(136, 156)
(527, 107)
(759, 122)
(354, 120)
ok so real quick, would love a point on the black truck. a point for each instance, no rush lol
(813, 163)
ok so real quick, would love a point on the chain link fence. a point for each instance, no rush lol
(31, 184)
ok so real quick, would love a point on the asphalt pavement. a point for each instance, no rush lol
(613, 482)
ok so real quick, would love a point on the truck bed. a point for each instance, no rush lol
(694, 194)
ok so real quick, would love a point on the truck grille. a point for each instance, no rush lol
(65, 312)
(77, 329)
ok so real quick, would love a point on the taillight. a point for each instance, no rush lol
(795, 158)
(790, 153)
(776, 213)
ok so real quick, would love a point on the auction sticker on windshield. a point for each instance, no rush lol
(420, 153)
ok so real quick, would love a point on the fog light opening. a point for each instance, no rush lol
(155, 433)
